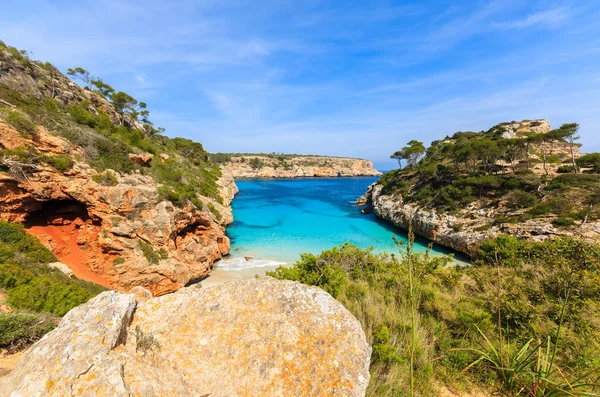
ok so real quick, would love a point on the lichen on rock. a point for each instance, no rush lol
(259, 337)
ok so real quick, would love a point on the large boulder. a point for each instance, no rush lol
(259, 337)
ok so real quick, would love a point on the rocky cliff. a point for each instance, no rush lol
(459, 210)
(119, 236)
(252, 338)
(272, 166)
(118, 203)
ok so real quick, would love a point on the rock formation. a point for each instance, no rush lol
(298, 166)
(464, 230)
(119, 236)
(251, 338)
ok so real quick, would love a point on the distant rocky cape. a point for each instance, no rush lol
(263, 166)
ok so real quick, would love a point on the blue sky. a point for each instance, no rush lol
(328, 77)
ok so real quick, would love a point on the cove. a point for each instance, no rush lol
(276, 220)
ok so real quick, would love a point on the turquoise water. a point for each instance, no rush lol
(277, 220)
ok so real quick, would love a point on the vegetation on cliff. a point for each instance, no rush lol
(37, 293)
(520, 300)
(522, 176)
(108, 125)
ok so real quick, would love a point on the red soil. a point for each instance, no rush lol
(76, 245)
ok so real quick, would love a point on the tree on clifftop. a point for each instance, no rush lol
(103, 88)
(414, 151)
(568, 132)
(398, 156)
(83, 75)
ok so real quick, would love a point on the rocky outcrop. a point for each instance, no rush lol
(119, 236)
(258, 166)
(251, 338)
(464, 231)
(143, 159)
(518, 129)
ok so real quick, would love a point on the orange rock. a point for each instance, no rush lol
(142, 159)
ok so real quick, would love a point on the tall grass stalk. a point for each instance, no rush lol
(406, 250)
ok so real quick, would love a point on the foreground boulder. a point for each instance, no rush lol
(260, 337)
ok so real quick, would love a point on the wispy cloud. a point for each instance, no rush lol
(547, 18)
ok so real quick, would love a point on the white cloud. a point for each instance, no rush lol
(548, 18)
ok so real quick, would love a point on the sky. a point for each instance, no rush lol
(345, 78)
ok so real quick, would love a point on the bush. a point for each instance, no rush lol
(574, 180)
(214, 211)
(152, 256)
(566, 169)
(106, 178)
(556, 205)
(81, 116)
(60, 162)
(563, 221)
(256, 163)
(22, 123)
(520, 199)
(20, 329)
(453, 301)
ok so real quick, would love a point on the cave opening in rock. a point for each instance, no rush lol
(57, 212)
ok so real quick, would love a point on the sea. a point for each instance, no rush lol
(276, 220)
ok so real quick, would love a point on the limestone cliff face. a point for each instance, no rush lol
(119, 236)
(300, 166)
(464, 232)
(260, 337)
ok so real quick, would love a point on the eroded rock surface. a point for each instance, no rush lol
(259, 337)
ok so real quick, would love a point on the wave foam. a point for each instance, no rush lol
(235, 264)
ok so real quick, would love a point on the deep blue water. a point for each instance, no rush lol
(278, 219)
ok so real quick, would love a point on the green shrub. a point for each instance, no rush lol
(574, 180)
(220, 158)
(215, 211)
(119, 261)
(106, 178)
(563, 221)
(22, 123)
(520, 199)
(565, 169)
(51, 106)
(453, 302)
(256, 163)
(81, 115)
(60, 161)
(145, 341)
(152, 256)
(556, 205)
(20, 329)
